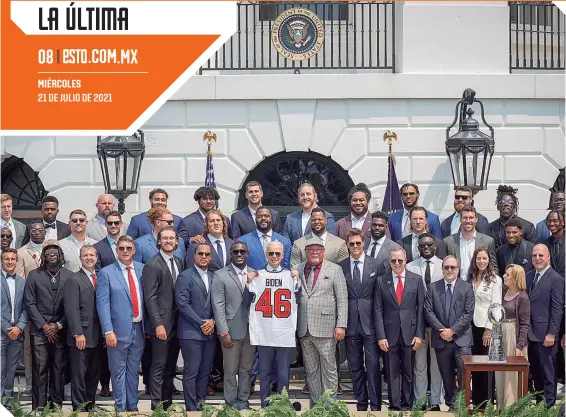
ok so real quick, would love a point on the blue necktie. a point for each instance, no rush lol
(356, 276)
(220, 252)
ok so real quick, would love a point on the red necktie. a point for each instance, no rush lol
(93, 276)
(399, 291)
(133, 292)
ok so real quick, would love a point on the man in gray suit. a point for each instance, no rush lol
(379, 246)
(96, 228)
(72, 244)
(17, 228)
(429, 267)
(322, 317)
(231, 305)
(449, 309)
(462, 245)
(14, 319)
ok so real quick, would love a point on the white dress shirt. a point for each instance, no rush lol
(377, 248)
(305, 217)
(358, 223)
(360, 265)
(415, 246)
(10, 225)
(252, 211)
(168, 262)
(396, 280)
(89, 275)
(242, 274)
(269, 235)
(50, 234)
(204, 275)
(138, 318)
(213, 241)
(323, 237)
(455, 225)
(467, 248)
(405, 220)
(12, 287)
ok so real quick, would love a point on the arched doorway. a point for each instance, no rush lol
(281, 175)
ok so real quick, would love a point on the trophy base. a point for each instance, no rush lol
(497, 361)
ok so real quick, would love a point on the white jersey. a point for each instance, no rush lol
(273, 314)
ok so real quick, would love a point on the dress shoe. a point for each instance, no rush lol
(305, 389)
(105, 392)
(209, 391)
(435, 407)
(296, 364)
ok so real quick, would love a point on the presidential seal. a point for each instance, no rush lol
(297, 34)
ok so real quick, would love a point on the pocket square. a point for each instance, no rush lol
(326, 278)
(525, 261)
(372, 274)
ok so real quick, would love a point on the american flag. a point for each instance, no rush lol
(209, 181)
(392, 200)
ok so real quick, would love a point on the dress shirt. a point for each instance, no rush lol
(323, 237)
(113, 246)
(252, 211)
(12, 287)
(405, 220)
(396, 280)
(360, 265)
(137, 319)
(168, 262)
(242, 274)
(541, 274)
(423, 269)
(269, 234)
(50, 233)
(222, 244)
(202, 214)
(36, 247)
(455, 225)
(204, 275)
(89, 275)
(467, 248)
(268, 268)
(377, 248)
(453, 283)
(78, 244)
(305, 217)
(358, 223)
(10, 225)
(415, 246)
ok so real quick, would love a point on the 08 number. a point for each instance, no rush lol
(282, 307)
(45, 56)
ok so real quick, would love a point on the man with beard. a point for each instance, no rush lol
(18, 228)
(54, 229)
(517, 250)
(44, 303)
(7, 238)
(139, 224)
(463, 197)
(359, 198)
(418, 216)
(191, 228)
(379, 245)
(400, 221)
(508, 204)
(244, 220)
(96, 228)
(298, 224)
(555, 243)
(258, 240)
(558, 204)
(147, 245)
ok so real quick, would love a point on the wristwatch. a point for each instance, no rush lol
(59, 325)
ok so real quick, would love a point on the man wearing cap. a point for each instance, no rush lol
(44, 302)
(322, 317)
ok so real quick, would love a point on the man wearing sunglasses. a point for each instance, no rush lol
(558, 203)
(96, 228)
(463, 196)
(450, 322)
(140, 225)
(7, 238)
(71, 245)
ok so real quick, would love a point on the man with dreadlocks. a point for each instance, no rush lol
(44, 302)
(508, 205)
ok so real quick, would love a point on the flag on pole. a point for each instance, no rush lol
(392, 199)
(209, 180)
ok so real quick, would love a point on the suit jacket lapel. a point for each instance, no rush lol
(87, 281)
(122, 279)
(234, 276)
(165, 266)
(199, 218)
(62, 282)
(406, 288)
(6, 288)
(249, 217)
(443, 301)
(215, 255)
(257, 242)
(320, 276)
(33, 255)
(365, 276)
(199, 281)
(456, 246)
(391, 285)
(348, 275)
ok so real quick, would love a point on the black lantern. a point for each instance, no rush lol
(120, 160)
(469, 150)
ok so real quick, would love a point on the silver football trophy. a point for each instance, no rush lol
(496, 315)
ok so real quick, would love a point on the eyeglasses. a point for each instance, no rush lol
(449, 267)
(51, 252)
(352, 244)
(461, 197)
(506, 202)
(239, 251)
(78, 220)
(426, 244)
(5, 236)
(397, 261)
(125, 248)
(274, 253)
(203, 253)
(169, 222)
(113, 223)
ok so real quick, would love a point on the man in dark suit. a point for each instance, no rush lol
(419, 224)
(361, 275)
(54, 229)
(517, 250)
(400, 222)
(558, 204)
(546, 293)
(449, 309)
(139, 224)
(359, 198)
(399, 300)
(379, 245)
(159, 277)
(192, 226)
(84, 335)
(44, 303)
(463, 196)
(555, 243)
(195, 328)
(243, 221)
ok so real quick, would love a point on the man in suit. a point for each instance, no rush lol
(159, 277)
(84, 336)
(244, 220)
(322, 317)
(379, 245)
(463, 244)
(192, 226)
(517, 250)
(298, 223)
(360, 272)
(558, 204)
(119, 301)
(231, 303)
(399, 300)
(72, 244)
(463, 196)
(54, 229)
(449, 309)
(546, 293)
(258, 240)
(44, 303)
(400, 222)
(360, 218)
(139, 224)
(14, 320)
(555, 243)
(195, 328)
(429, 267)
(17, 228)
(419, 224)
(96, 228)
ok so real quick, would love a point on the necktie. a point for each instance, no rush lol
(447, 305)
(373, 249)
(173, 270)
(220, 252)
(407, 227)
(399, 290)
(556, 253)
(357, 276)
(133, 292)
(310, 279)
(427, 273)
(11, 276)
(93, 276)
(264, 242)
(535, 282)
(47, 225)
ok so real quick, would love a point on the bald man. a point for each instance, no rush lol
(96, 228)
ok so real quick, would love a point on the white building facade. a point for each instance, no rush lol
(340, 112)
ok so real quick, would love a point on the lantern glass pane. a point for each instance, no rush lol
(474, 163)
(457, 167)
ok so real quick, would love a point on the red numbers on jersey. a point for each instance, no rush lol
(282, 303)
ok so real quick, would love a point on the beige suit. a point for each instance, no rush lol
(96, 230)
(335, 249)
(71, 253)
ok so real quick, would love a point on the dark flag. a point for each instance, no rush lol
(392, 199)
(209, 180)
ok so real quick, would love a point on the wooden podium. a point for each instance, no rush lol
(480, 363)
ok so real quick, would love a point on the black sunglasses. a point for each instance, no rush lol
(78, 220)
(113, 223)
(426, 244)
(461, 197)
(5, 236)
(169, 222)
(352, 244)
(239, 251)
(449, 267)
(203, 253)
(274, 253)
(396, 261)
